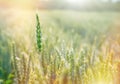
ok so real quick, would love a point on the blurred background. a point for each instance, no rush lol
(88, 5)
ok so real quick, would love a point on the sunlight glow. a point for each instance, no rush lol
(102, 82)
(80, 2)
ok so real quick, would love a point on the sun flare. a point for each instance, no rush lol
(81, 2)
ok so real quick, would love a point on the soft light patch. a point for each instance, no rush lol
(80, 2)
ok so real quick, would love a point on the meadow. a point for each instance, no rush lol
(59, 47)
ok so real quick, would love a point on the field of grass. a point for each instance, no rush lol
(67, 47)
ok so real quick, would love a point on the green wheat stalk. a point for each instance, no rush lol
(38, 34)
(39, 41)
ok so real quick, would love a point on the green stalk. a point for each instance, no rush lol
(38, 34)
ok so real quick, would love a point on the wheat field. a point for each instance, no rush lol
(59, 47)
